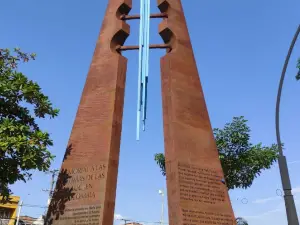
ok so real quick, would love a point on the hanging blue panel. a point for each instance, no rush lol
(144, 34)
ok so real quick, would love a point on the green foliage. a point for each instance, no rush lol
(23, 145)
(160, 160)
(241, 161)
(241, 221)
(298, 66)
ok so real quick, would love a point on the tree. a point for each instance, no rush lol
(241, 221)
(23, 145)
(241, 161)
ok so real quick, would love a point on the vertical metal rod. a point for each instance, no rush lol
(143, 64)
(146, 61)
(162, 208)
(19, 212)
(140, 70)
(52, 182)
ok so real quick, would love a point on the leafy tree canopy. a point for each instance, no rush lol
(23, 145)
(241, 160)
(241, 221)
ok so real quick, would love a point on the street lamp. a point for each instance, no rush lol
(161, 193)
(284, 173)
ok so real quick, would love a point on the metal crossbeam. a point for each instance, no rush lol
(137, 17)
(120, 48)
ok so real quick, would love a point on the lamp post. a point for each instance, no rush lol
(161, 193)
(284, 173)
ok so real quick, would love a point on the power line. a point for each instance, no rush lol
(53, 173)
(34, 206)
(52, 182)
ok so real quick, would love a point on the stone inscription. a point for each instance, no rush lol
(87, 215)
(196, 217)
(200, 185)
(82, 180)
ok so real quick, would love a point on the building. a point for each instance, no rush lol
(28, 220)
(8, 211)
(133, 224)
(39, 221)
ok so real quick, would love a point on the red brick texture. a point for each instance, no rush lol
(196, 193)
(86, 187)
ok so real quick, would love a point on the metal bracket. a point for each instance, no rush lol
(137, 17)
(120, 48)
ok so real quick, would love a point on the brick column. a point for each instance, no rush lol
(86, 187)
(196, 193)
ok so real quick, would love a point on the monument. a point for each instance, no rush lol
(86, 187)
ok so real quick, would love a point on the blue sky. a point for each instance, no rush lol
(239, 46)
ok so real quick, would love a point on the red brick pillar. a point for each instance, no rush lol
(196, 193)
(86, 187)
